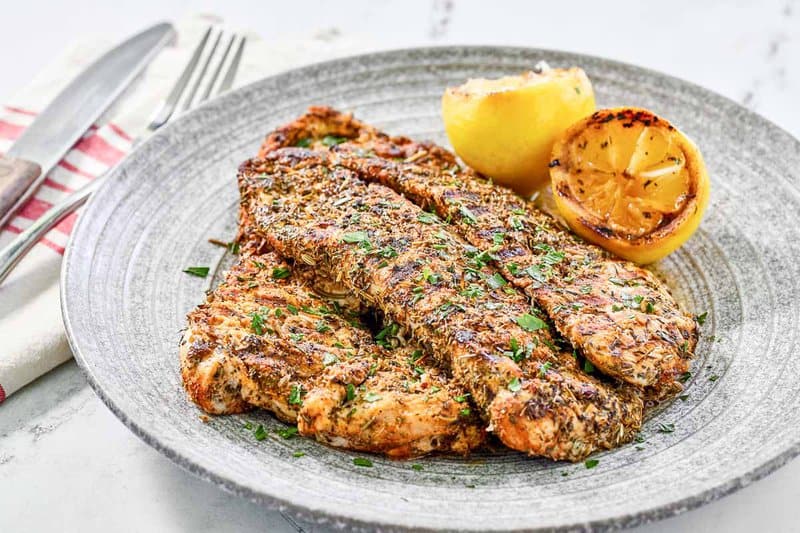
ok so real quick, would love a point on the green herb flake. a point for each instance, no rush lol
(588, 367)
(686, 376)
(371, 397)
(528, 322)
(591, 463)
(362, 461)
(298, 454)
(331, 140)
(713, 377)
(288, 433)
(543, 368)
(514, 385)
(260, 433)
(498, 238)
(465, 412)
(427, 218)
(416, 467)
(257, 323)
(468, 216)
(351, 392)
(303, 143)
(322, 327)
(462, 398)
(701, 318)
(296, 395)
(329, 359)
(666, 428)
(281, 273)
(496, 281)
(200, 272)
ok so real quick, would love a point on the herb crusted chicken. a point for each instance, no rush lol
(264, 339)
(403, 261)
(619, 315)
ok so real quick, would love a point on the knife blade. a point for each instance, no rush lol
(62, 123)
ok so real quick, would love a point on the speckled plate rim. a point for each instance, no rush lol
(70, 270)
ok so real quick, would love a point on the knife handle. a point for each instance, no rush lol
(16, 175)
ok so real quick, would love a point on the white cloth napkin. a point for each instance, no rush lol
(32, 339)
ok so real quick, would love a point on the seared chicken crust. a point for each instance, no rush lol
(617, 314)
(403, 261)
(264, 339)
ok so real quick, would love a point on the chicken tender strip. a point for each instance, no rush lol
(619, 315)
(264, 339)
(401, 260)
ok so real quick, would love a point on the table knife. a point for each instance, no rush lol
(62, 123)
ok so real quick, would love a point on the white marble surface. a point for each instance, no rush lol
(67, 464)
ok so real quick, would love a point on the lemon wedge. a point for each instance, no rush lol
(505, 128)
(627, 180)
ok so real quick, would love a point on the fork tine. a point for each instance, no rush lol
(213, 80)
(189, 101)
(233, 67)
(169, 105)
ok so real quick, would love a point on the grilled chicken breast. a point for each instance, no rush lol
(403, 261)
(264, 339)
(620, 316)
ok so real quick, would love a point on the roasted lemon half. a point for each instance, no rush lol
(505, 128)
(627, 180)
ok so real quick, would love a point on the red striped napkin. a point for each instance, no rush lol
(32, 339)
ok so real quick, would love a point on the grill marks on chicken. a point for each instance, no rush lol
(264, 339)
(403, 261)
(620, 316)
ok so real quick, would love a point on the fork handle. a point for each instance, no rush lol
(12, 254)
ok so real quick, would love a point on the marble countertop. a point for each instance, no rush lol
(67, 464)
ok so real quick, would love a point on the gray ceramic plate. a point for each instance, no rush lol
(124, 300)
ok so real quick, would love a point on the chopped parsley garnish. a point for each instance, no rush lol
(586, 289)
(351, 392)
(616, 308)
(591, 463)
(588, 367)
(713, 377)
(260, 433)
(371, 397)
(358, 237)
(496, 281)
(462, 398)
(322, 327)
(666, 428)
(430, 276)
(515, 223)
(298, 454)
(257, 323)
(543, 368)
(416, 467)
(384, 336)
(303, 143)
(387, 252)
(473, 291)
(469, 216)
(296, 396)
(200, 272)
(498, 238)
(648, 308)
(516, 351)
(292, 309)
(281, 273)
(427, 218)
(329, 359)
(528, 322)
(514, 385)
(552, 256)
(513, 269)
(288, 433)
(465, 412)
(331, 140)
(701, 318)
(686, 376)
(296, 337)
(362, 461)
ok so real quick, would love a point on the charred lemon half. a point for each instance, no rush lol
(629, 181)
(505, 128)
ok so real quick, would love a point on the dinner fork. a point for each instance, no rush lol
(209, 72)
